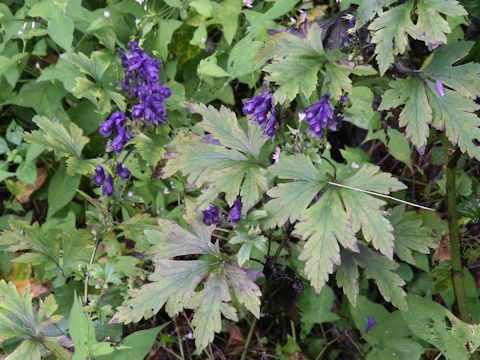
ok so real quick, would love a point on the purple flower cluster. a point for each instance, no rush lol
(320, 116)
(211, 215)
(258, 108)
(106, 181)
(142, 81)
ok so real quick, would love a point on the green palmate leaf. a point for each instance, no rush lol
(390, 338)
(295, 64)
(417, 114)
(392, 28)
(60, 26)
(381, 270)
(361, 112)
(337, 76)
(174, 282)
(52, 134)
(19, 321)
(369, 8)
(347, 276)
(326, 224)
(431, 26)
(465, 78)
(436, 325)
(233, 167)
(64, 142)
(336, 217)
(249, 240)
(423, 105)
(56, 248)
(316, 308)
(410, 234)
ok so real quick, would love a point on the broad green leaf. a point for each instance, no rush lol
(436, 325)
(347, 276)
(62, 189)
(410, 234)
(381, 270)
(316, 308)
(166, 28)
(20, 321)
(464, 78)
(209, 67)
(361, 112)
(368, 9)
(337, 78)
(53, 135)
(136, 345)
(233, 167)
(417, 113)
(226, 13)
(390, 338)
(174, 282)
(60, 26)
(457, 116)
(55, 248)
(296, 63)
(82, 333)
(249, 240)
(391, 29)
(44, 98)
(398, 146)
(325, 225)
(431, 26)
(290, 200)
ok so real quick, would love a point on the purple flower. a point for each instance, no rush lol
(370, 323)
(107, 187)
(236, 211)
(99, 177)
(116, 120)
(320, 116)
(211, 215)
(121, 139)
(351, 22)
(122, 172)
(440, 88)
(258, 109)
(344, 99)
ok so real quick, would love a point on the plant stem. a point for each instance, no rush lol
(253, 325)
(87, 276)
(457, 270)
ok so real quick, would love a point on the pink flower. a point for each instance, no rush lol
(276, 154)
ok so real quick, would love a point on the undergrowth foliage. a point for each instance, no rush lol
(253, 179)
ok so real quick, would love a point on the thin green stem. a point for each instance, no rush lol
(454, 232)
(87, 276)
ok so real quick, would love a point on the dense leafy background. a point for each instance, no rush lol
(324, 262)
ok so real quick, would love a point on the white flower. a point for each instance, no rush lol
(140, 1)
(355, 165)
(106, 13)
(301, 116)
(276, 154)
(137, 21)
(248, 3)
